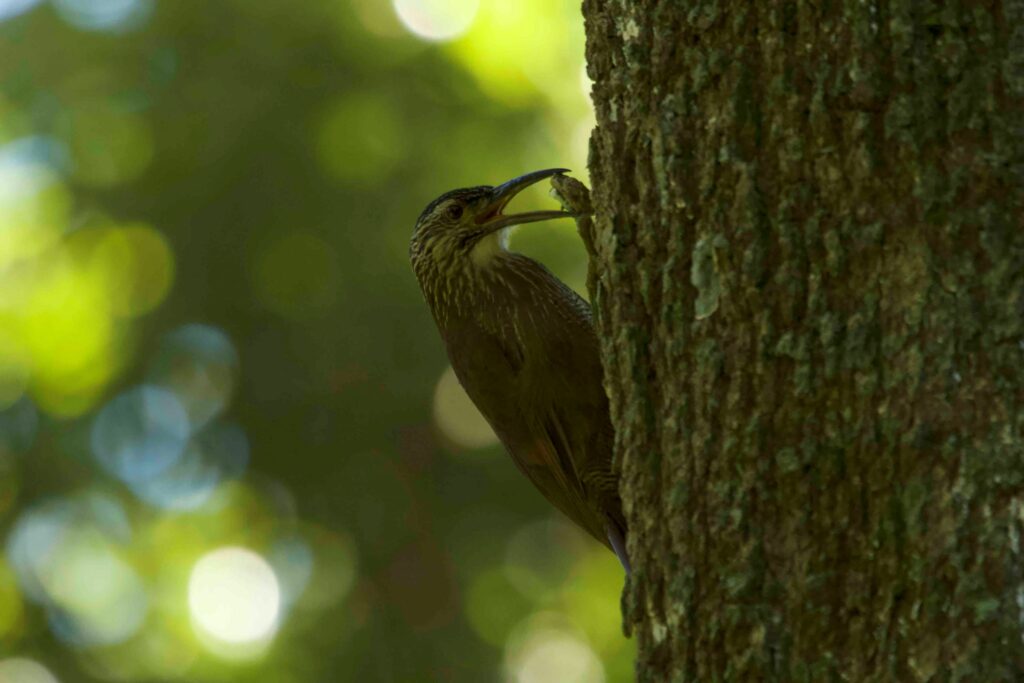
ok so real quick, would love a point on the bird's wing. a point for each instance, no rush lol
(491, 368)
(578, 410)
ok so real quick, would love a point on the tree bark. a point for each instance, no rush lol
(809, 221)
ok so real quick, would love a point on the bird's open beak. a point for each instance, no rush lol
(490, 218)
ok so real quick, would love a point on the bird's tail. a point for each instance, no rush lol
(617, 538)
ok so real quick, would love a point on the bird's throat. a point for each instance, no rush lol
(489, 247)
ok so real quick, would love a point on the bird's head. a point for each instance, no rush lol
(465, 228)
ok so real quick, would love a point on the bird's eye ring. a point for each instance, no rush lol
(455, 211)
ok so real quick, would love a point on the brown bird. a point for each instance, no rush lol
(523, 346)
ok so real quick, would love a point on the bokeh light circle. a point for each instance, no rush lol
(199, 364)
(34, 204)
(68, 555)
(438, 20)
(137, 263)
(378, 18)
(104, 15)
(546, 650)
(140, 433)
(457, 417)
(361, 139)
(292, 560)
(21, 670)
(140, 267)
(333, 569)
(494, 606)
(218, 454)
(234, 596)
(12, 8)
(109, 145)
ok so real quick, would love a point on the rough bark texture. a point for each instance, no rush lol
(810, 228)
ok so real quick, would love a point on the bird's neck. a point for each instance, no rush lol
(489, 280)
(489, 248)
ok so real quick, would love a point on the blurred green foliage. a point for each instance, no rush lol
(230, 445)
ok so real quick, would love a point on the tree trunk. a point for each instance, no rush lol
(810, 235)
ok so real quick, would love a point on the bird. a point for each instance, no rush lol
(523, 346)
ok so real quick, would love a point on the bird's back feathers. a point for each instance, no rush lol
(548, 407)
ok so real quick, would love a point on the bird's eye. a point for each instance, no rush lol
(455, 211)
